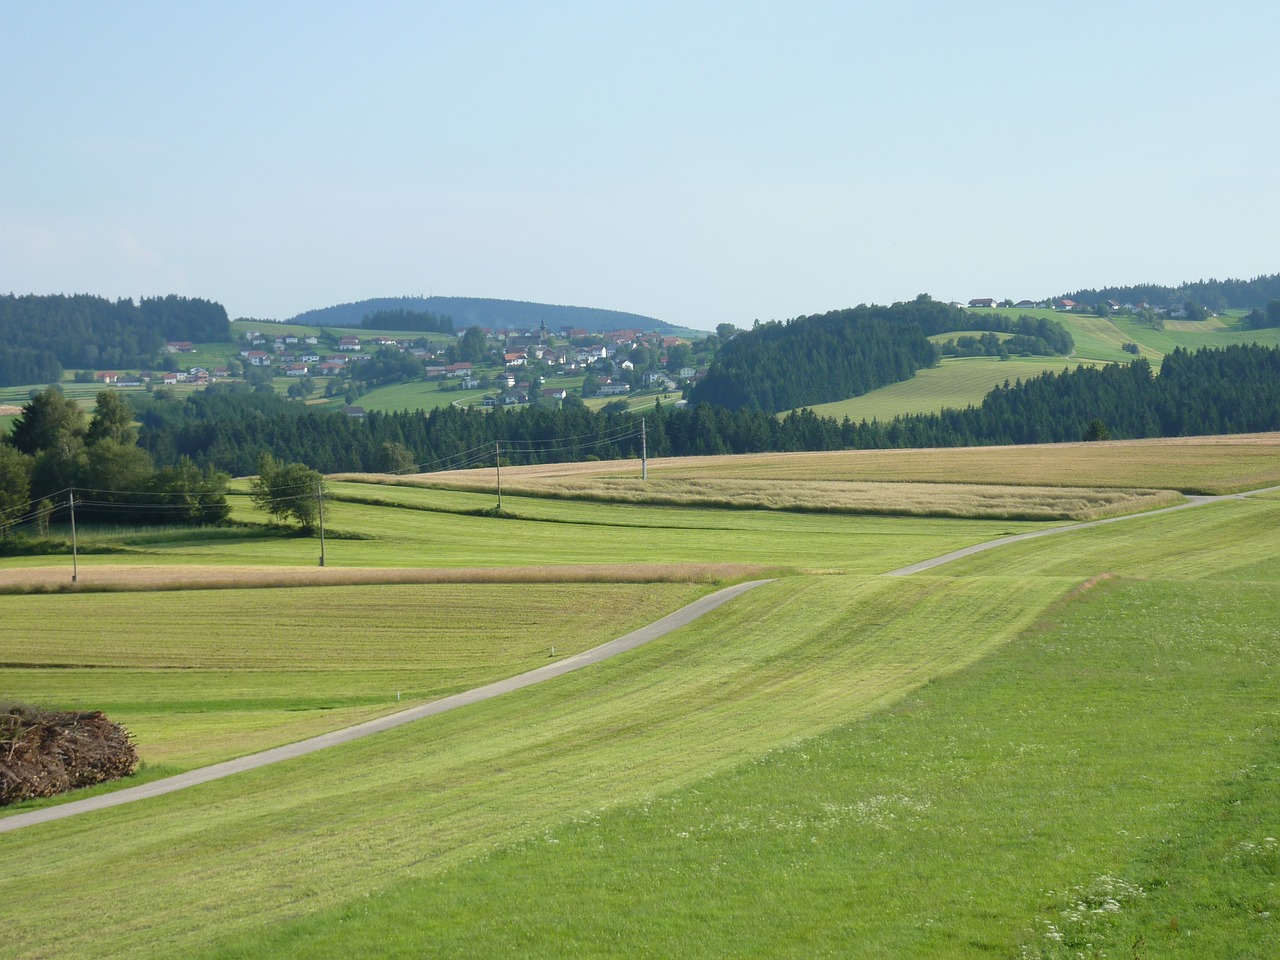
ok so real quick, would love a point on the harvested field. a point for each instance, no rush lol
(146, 578)
(836, 496)
(1207, 465)
(9, 410)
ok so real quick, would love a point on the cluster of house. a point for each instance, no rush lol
(1114, 306)
(196, 375)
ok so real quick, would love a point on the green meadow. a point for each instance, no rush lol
(1063, 747)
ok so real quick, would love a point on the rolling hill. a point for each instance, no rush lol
(483, 312)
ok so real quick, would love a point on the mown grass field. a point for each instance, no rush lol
(1209, 465)
(966, 763)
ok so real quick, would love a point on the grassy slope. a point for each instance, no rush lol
(418, 395)
(790, 786)
(791, 659)
(1089, 791)
(953, 383)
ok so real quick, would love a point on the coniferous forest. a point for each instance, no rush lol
(780, 366)
(227, 427)
(44, 334)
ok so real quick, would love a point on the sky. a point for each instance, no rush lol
(698, 162)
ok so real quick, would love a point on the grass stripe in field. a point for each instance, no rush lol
(785, 661)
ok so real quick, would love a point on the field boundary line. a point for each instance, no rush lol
(1192, 501)
(652, 631)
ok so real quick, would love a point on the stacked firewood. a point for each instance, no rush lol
(43, 753)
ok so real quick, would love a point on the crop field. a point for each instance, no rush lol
(1206, 465)
(839, 496)
(956, 383)
(1060, 747)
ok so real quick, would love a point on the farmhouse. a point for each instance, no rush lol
(984, 302)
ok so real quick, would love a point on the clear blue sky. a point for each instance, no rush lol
(697, 162)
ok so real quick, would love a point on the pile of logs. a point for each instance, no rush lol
(43, 753)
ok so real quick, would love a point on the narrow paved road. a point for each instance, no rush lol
(1192, 501)
(673, 621)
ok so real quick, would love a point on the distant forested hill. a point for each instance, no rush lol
(478, 312)
(1214, 294)
(43, 334)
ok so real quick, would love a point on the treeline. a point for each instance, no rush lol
(42, 335)
(54, 452)
(781, 365)
(1214, 294)
(417, 320)
(1230, 390)
(1038, 336)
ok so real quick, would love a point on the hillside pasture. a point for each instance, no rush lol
(836, 496)
(956, 383)
(418, 395)
(1204, 465)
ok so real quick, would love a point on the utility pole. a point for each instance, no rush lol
(497, 463)
(644, 451)
(320, 501)
(71, 504)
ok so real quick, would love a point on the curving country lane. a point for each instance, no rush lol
(672, 621)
